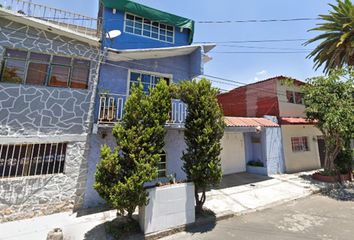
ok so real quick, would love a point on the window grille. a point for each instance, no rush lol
(149, 81)
(299, 144)
(150, 29)
(20, 160)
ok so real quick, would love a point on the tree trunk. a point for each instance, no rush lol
(199, 201)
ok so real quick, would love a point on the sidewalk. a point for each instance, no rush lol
(238, 194)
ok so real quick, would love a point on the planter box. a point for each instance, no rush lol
(330, 179)
(257, 170)
(169, 206)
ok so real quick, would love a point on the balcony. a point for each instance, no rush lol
(111, 110)
(64, 19)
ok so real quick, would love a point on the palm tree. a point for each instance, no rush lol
(337, 46)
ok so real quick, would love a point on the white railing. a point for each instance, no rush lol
(69, 20)
(111, 109)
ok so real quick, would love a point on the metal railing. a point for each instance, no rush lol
(21, 160)
(111, 109)
(65, 19)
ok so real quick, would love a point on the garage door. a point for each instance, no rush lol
(233, 153)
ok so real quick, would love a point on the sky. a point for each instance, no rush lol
(227, 62)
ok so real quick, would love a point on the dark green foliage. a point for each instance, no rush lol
(121, 229)
(204, 130)
(344, 160)
(121, 174)
(255, 163)
(329, 101)
(337, 46)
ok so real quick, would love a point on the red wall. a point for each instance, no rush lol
(254, 100)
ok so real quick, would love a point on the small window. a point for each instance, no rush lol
(37, 73)
(290, 96)
(162, 166)
(61, 60)
(14, 71)
(59, 76)
(149, 81)
(80, 74)
(299, 144)
(299, 98)
(31, 159)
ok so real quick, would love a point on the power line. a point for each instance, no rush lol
(261, 52)
(259, 20)
(256, 41)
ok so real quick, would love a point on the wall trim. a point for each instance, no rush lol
(43, 139)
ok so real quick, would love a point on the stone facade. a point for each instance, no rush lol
(44, 115)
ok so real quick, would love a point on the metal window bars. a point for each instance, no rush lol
(20, 160)
(65, 19)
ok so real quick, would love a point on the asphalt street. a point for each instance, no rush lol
(315, 217)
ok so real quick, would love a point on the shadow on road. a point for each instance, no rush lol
(205, 222)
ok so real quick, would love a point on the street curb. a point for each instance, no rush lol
(223, 216)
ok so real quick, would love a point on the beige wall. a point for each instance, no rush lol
(233, 153)
(300, 161)
(288, 109)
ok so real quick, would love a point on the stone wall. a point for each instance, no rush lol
(40, 195)
(45, 114)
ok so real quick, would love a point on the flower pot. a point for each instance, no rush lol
(169, 206)
(330, 179)
(257, 170)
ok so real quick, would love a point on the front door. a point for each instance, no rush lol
(321, 149)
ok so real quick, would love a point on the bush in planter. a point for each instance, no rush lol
(121, 174)
(255, 163)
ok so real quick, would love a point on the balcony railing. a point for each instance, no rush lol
(65, 19)
(111, 110)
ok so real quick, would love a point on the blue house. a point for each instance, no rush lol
(152, 45)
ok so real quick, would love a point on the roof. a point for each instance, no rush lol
(296, 121)
(280, 77)
(48, 26)
(249, 122)
(151, 14)
(152, 53)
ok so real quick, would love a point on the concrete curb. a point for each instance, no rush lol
(224, 216)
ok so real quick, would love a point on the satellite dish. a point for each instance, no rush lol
(113, 34)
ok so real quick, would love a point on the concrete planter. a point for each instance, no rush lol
(257, 170)
(330, 179)
(169, 206)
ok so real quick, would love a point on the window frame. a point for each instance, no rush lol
(151, 27)
(301, 145)
(160, 170)
(50, 64)
(156, 74)
(293, 93)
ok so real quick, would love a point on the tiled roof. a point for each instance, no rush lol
(295, 120)
(249, 122)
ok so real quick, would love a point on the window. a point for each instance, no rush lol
(43, 69)
(299, 144)
(147, 28)
(161, 171)
(31, 159)
(149, 81)
(295, 97)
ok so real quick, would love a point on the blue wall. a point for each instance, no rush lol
(114, 75)
(131, 41)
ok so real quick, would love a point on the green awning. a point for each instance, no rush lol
(152, 14)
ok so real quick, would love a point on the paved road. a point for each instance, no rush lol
(315, 217)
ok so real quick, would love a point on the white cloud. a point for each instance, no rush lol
(262, 73)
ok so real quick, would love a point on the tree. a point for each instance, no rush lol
(204, 128)
(122, 173)
(329, 102)
(337, 46)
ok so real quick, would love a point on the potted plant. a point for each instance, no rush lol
(256, 167)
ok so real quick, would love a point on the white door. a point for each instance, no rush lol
(233, 153)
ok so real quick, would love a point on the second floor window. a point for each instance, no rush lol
(150, 29)
(295, 97)
(24, 67)
(148, 80)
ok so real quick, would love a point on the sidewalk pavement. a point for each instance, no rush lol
(230, 199)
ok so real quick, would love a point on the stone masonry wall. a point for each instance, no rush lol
(40, 195)
(46, 114)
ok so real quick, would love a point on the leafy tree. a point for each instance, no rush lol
(204, 130)
(329, 102)
(121, 174)
(337, 46)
